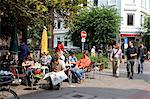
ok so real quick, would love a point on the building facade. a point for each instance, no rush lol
(131, 11)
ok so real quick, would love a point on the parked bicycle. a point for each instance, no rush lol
(5, 92)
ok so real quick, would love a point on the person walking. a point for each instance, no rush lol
(93, 52)
(140, 57)
(131, 56)
(116, 56)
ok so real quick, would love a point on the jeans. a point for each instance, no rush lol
(78, 72)
(140, 66)
(130, 67)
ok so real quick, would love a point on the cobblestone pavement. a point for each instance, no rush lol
(104, 86)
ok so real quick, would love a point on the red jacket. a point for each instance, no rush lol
(60, 47)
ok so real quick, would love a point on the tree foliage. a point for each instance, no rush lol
(101, 25)
(147, 24)
(34, 14)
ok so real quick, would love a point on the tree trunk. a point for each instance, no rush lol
(51, 26)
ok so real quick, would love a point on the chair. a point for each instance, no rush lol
(15, 72)
(89, 69)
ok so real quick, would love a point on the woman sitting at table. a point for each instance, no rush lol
(29, 61)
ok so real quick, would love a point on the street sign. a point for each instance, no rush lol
(83, 34)
(126, 43)
(83, 40)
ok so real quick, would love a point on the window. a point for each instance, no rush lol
(66, 43)
(149, 4)
(130, 19)
(59, 24)
(112, 2)
(85, 3)
(130, 1)
(95, 3)
(141, 21)
(143, 3)
(58, 39)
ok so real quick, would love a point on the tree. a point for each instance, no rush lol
(101, 25)
(147, 24)
(34, 14)
(23, 13)
(146, 34)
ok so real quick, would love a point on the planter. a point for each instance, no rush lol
(100, 66)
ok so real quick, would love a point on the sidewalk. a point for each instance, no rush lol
(103, 87)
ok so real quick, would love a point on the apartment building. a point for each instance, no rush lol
(131, 11)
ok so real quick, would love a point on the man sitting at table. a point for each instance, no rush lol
(81, 66)
(57, 66)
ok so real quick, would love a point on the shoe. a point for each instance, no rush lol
(131, 77)
(80, 81)
(117, 76)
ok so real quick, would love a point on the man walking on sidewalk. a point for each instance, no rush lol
(140, 56)
(116, 56)
(131, 56)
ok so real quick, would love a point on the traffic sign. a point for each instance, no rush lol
(83, 40)
(83, 34)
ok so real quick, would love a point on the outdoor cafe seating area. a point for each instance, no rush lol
(30, 71)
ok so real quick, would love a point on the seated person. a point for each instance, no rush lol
(44, 59)
(29, 61)
(72, 60)
(57, 65)
(81, 66)
(29, 66)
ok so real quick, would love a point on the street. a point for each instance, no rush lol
(104, 86)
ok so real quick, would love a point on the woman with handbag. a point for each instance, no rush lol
(116, 56)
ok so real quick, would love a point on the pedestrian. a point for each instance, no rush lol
(60, 47)
(93, 52)
(140, 57)
(131, 56)
(116, 57)
(24, 51)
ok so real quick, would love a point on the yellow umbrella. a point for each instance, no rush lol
(44, 42)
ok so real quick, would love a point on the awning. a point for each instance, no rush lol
(129, 34)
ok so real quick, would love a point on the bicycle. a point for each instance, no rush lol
(5, 91)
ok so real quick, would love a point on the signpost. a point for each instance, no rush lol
(83, 36)
(125, 43)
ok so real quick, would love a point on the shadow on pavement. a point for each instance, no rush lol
(90, 93)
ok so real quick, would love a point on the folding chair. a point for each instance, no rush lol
(90, 69)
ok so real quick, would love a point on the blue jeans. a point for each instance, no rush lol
(78, 72)
(140, 66)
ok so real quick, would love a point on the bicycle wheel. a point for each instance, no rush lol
(8, 94)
